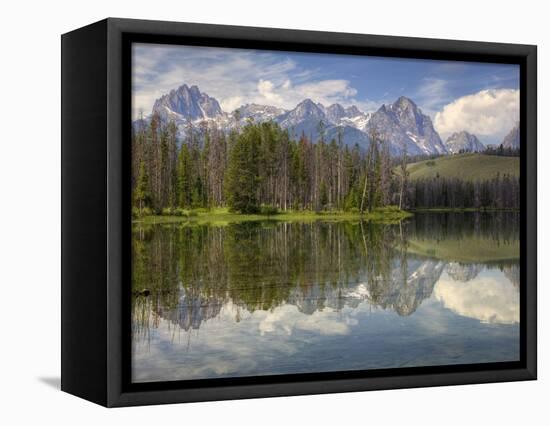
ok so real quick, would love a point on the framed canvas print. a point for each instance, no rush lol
(252, 212)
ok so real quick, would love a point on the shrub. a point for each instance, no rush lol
(193, 213)
(167, 211)
(179, 212)
(201, 210)
(145, 211)
(268, 210)
(388, 209)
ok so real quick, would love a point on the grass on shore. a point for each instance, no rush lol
(222, 216)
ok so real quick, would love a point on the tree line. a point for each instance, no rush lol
(500, 192)
(258, 166)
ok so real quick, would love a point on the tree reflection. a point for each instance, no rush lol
(186, 274)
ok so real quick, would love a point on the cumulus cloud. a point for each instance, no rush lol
(267, 91)
(229, 75)
(288, 95)
(489, 114)
(232, 76)
(486, 298)
(288, 318)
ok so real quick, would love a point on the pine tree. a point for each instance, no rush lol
(183, 173)
(142, 195)
(404, 177)
(242, 172)
(323, 196)
(374, 193)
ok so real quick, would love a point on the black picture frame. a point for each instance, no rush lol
(96, 117)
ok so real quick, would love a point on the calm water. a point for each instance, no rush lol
(263, 298)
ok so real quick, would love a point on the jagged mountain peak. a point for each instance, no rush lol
(511, 140)
(335, 112)
(404, 125)
(187, 104)
(463, 142)
(401, 123)
(336, 107)
(309, 104)
(258, 112)
(257, 107)
(307, 109)
(406, 109)
(353, 111)
(404, 102)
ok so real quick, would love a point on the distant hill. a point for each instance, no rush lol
(465, 166)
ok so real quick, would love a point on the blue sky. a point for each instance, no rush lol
(480, 98)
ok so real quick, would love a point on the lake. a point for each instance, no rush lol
(273, 297)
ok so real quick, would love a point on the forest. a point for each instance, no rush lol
(257, 168)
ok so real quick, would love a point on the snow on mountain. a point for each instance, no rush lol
(511, 140)
(405, 126)
(187, 104)
(463, 272)
(404, 293)
(307, 114)
(463, 142)
(338, 115)
(335, 113)
(306, 117)
(402, 123)
(258, 113)
(359, 121)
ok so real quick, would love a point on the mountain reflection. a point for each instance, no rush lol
(187, 275)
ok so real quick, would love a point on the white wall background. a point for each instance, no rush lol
(30, 211)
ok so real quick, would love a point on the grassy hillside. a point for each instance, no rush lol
(465, 166)
(467, 249)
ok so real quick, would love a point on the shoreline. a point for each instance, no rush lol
(462, 210)
(223, 216)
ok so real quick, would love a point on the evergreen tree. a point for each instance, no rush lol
(183, 173)
(242, 172)
(258, 164)
(142, 195)
(323, 196)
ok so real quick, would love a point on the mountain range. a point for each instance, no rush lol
(402, 123)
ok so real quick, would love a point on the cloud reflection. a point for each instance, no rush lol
(486, 298)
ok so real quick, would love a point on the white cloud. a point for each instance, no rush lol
(267, 91)
(287, 318)
(488, 299)
(489, 114)
(288, 95)
(432, 94)
(233, 76)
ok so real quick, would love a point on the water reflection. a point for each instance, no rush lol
(274, 298)
(487, 298)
